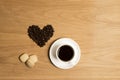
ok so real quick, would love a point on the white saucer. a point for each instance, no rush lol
(62, 64)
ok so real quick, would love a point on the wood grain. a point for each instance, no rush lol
(93, 24)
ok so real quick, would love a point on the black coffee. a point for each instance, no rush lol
(65, 53)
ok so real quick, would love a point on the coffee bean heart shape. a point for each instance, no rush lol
(40, 36)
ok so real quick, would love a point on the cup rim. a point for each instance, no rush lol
(57, 50)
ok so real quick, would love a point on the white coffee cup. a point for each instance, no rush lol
(65, 52)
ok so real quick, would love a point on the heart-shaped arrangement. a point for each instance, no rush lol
(40, 36)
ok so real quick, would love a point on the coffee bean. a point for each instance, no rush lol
(40, 36)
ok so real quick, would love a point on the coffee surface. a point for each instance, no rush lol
(65, 53)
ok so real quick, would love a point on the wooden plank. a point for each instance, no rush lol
(93, 24)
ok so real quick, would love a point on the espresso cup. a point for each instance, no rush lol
(65, 53)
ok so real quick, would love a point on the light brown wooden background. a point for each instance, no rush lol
(93, 24)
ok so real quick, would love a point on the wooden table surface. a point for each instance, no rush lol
(93, 24)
